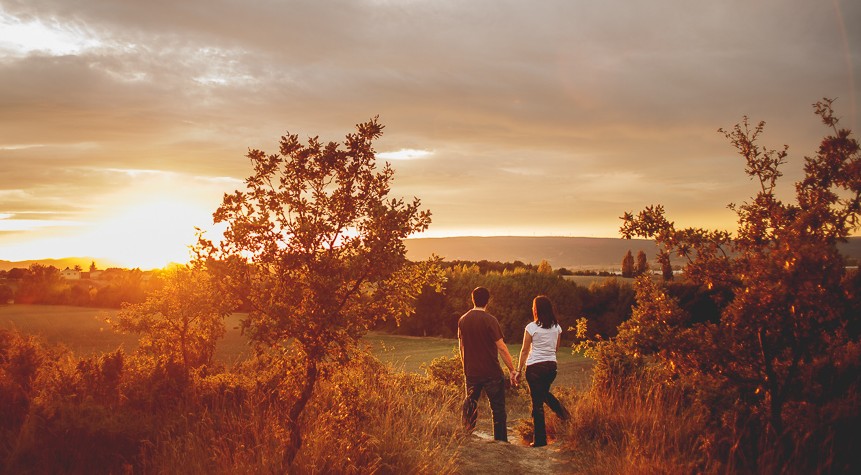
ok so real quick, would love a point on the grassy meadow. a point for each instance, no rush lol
(233, 421)
(84, 332)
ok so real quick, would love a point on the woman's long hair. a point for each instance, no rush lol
(544, 310)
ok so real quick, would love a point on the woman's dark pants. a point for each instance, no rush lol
(540, 376)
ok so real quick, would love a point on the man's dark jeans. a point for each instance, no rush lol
(495, 390)
(540, 376)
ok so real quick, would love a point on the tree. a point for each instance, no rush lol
(182, 320)
(317, 243)
(17, 273)
(642, 265)
(93, 266)
(787, 341)
(125, 286)
(666, 267)
(40, 284)
(544, 267)
(628, 265)
(6, 294)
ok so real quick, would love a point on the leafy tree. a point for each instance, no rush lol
(41, 284)
(79, 294)
(544, 267)
(16, 273)
(6, 294)
(125, 286)
(432, 316)
(606, 306)
(786, 344)
(666, 267)
(628, 265)
(182, 320)
(93, 266)
(642, 265)
(325, 244)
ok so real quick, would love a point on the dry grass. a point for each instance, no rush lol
(114, 413)
(365, 419)
(642, 431)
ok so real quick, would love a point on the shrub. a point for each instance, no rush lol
(768, 355)
(446, 370)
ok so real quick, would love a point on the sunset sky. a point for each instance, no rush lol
(122, 122)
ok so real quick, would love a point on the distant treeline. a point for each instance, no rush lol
(605, 304)
(41, 284)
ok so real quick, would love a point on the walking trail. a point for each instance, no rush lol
(480, 454)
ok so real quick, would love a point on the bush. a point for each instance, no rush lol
(446, 370)
(112, 413)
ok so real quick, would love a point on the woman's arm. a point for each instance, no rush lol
(558, 340)
(524, 350)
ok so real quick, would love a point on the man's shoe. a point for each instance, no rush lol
(533, 444)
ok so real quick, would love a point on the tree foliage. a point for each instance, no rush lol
(642, 265)
(666, 266)
(628, 265)
(182, 320)
(40, 284)
(317, 244)
(604, 303)
(544, 267)
(785, 348)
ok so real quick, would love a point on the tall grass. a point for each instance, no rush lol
(114, 414)
(646, 426)
(644, 429)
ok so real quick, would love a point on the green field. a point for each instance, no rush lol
(588, 280)
(84, 331)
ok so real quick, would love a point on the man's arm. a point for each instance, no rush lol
(506, 356)
(460, 347)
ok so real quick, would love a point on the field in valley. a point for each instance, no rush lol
(84, 331)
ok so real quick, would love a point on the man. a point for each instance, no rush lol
(480, 340)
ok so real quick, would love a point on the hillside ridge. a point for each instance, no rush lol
(569, 252)
(560, 251)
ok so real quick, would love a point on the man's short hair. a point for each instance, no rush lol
(480, 297)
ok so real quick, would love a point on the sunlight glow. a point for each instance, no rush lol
(26, 37)
(8, 224)
(148, 225)
(150, 234)
(405, 154)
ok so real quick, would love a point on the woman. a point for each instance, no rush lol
(540, 341)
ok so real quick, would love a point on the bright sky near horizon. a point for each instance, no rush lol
(123, 122)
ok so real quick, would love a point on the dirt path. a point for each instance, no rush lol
(480, 454)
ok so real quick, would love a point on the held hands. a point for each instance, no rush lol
(515, 377)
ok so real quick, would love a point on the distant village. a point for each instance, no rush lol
(46, 284)
(93, 273)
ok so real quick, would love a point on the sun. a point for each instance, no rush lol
(151, 234)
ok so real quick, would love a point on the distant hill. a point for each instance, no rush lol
(62, 263)
(852, 248)
(569, 252)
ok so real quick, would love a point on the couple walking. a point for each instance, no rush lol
(480, 341)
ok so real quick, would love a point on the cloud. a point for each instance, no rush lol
(561, 113)
(405, 154)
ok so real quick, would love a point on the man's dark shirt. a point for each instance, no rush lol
(478, 332)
